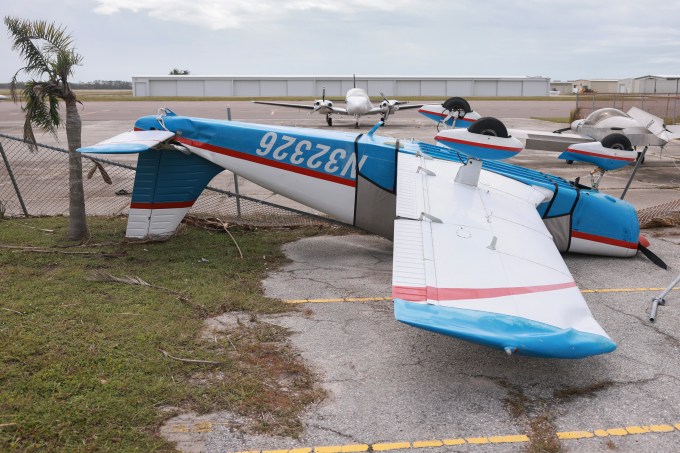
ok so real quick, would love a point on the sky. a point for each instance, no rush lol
(563, 40)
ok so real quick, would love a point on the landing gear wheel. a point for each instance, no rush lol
(617, 141)
(356, 125)
(489, 126)
(570, 162)
(329, 120)
(457, 103)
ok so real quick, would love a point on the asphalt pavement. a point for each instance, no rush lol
(394, 387)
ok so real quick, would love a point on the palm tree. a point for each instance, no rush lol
(50, 58)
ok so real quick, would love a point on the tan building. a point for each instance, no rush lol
(596, 85)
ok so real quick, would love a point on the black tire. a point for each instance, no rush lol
(570, 162)
(457, 103)
(617, 141)
(489, 126)
(329, 120)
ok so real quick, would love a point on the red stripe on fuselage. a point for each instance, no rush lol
(479, 145)
(264, 161)
(420, 294)
(162, 204)
(603, 156)
(603, 240)
(267, 162)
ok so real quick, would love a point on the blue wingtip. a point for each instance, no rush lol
(509, 333)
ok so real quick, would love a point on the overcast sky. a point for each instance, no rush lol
(558, 39)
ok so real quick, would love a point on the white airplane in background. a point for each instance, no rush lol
(358, 104)
(3, 98)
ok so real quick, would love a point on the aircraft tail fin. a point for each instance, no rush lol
(653, 123)
(167, 184)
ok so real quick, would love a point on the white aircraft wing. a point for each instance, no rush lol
(336, 110)
(477, 263)
(547, 141)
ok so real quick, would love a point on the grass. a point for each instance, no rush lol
(81, 367)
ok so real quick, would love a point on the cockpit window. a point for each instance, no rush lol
(599, 115)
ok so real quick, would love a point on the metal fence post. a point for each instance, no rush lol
(14, 181)
(238, 195)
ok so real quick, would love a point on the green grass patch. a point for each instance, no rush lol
(81, 367)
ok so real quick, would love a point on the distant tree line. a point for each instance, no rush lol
(96, 85)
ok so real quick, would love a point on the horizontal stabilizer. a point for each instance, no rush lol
(596, 154)
(129, 142)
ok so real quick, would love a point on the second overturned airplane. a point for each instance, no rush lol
(358, 104)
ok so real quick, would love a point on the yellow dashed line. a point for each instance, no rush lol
(378, 299)
(391, 446)
(477, 440)
(427, 443)
(203, 427)
(342, 299)
(453, 441)
(574, 435)
(509, 439)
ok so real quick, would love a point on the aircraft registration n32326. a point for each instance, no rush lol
(477, 242)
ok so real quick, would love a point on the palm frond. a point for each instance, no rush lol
(41, 107)
(22, 35)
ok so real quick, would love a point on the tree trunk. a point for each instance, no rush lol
(77, 225)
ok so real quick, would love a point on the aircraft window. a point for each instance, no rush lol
(599, 115)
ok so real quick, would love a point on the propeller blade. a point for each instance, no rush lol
(652, 257)
(323, 94)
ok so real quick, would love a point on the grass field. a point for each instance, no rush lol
(88, 363)
(126, 95)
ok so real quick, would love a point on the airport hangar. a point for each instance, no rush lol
(336, 86)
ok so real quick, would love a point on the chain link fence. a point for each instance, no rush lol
(664, 106)
(35, 183)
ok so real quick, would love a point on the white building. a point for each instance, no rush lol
(336, 86)
(651, 84)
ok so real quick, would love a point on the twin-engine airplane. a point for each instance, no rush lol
(606, 138)
(357, 104)
(477, 241)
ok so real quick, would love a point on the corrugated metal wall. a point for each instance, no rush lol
(252, 87)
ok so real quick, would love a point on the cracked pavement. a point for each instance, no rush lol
(388, 382)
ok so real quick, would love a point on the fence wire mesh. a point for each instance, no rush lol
(664, 106)
(35, 183)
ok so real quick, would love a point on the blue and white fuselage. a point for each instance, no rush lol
(352, 178)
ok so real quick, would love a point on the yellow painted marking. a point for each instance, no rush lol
(341, 448)
(391, 446)
(180, 429)
(508, 439)
(202, 427)
(623, 290)
(342, 299)
(637, 429)
(661, 428)
(477, 440)
(575, 435)
(376, 299)
(427, 443)
(387, 446)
